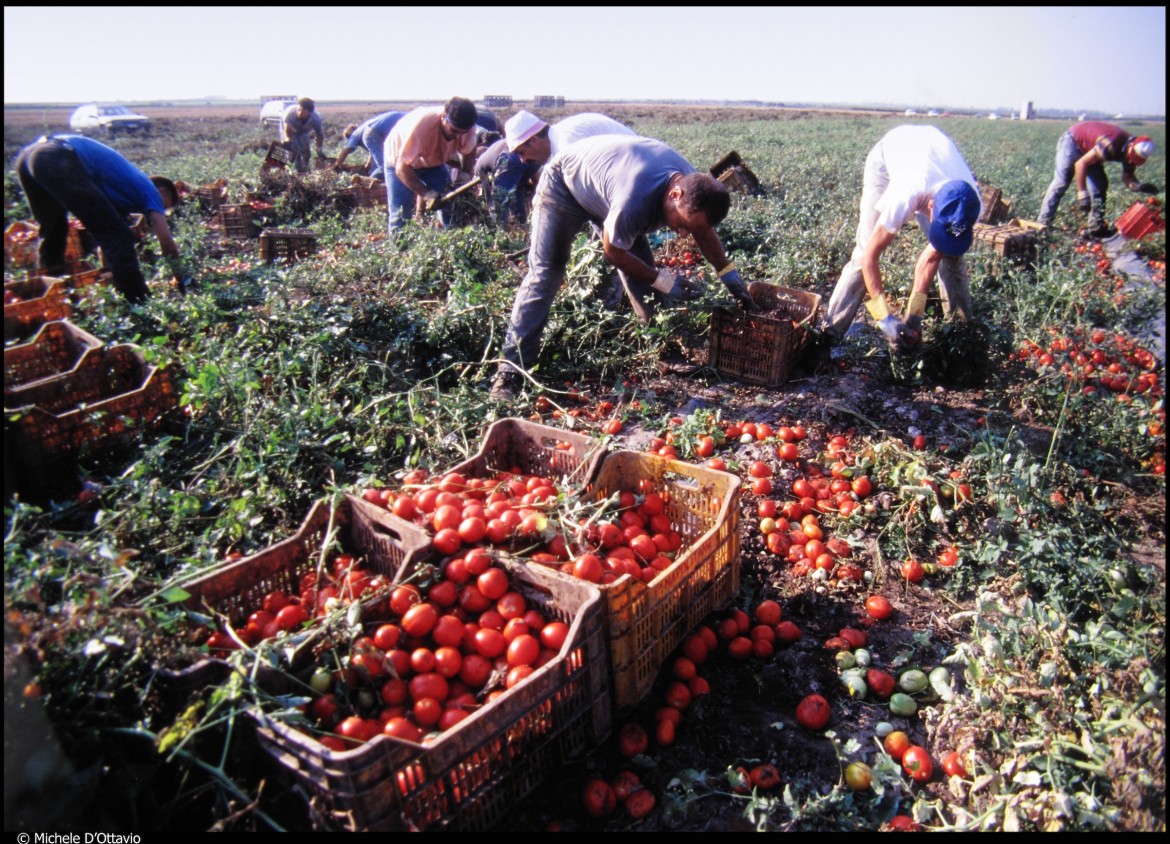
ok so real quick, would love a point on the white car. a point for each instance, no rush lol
(108, 120)
(272, 112)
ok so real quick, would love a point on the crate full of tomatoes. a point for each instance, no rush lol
(111, 394)
(30, 304)
(658, 537)
(678, 523)
(440, 702)
(56, 348)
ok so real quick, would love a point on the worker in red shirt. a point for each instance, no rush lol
(1081, 154)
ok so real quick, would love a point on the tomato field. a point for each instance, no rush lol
(950, 602)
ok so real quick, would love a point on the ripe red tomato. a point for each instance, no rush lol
(917, 763)
(613, 426)
(419, 620)
(768, 612)
(862, 486)
(633, 740)
(813, 712)
(879, 607)
(760, 469)
(789, 452)
(881, 683)
(625, 784)
(953, 765)
(640, 803)
(678, 695)
(764, 776)
(912, 570)
(291, 617)
(904, 823)
(598, 798)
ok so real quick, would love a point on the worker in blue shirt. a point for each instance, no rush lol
(63, 174)
(370, 136)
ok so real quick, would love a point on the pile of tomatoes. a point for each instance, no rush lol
(344, 581)
(527, 514)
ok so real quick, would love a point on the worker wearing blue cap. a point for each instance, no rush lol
(912, 172)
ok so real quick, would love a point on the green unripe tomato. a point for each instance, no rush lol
(913, 681)
(902, 704)
(882, 729)
(862, 657)
(845, 660)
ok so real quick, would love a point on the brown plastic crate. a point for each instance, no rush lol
(996, 209)
(36, 301)
(763, 347)
(213, 195)
(112, 394)
(277, 157)
(287, 244)
(238, 222)
(731, 170)
(517, 445)
(55, 349)
(645, 622)
(1015, 239)
(236, 589)
(472, 775)
(384, 546)
(21, 240)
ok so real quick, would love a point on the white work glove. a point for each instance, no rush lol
(675, 286)
(430, 198)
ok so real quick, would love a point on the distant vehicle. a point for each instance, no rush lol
(993, 116)
(272, 111)
(934, 112)
(109, 120)
(910, 112)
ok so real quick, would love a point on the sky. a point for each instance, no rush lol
(1057, 57)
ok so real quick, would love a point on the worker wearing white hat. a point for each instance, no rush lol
(534, 140)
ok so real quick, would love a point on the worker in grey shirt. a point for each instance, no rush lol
(534, 140)
(629, 186)
(506, 182)
(301, 121)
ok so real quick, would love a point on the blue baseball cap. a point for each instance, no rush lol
(952, 223)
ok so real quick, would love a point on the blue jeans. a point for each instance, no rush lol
(506, 196)
(1067, 155)
(55, 184)
(401, 198)
(374, 140)
(301, 148)
(556, 220)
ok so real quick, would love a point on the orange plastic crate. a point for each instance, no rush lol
(645, 622)
(111, 395)
(30, 304)
(471, 775)
(55, 349)
(1139, 220)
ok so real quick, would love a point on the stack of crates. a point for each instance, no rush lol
(111, 394)
(30, 304)
(467, 777)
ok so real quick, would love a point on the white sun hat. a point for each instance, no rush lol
(520, 127)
